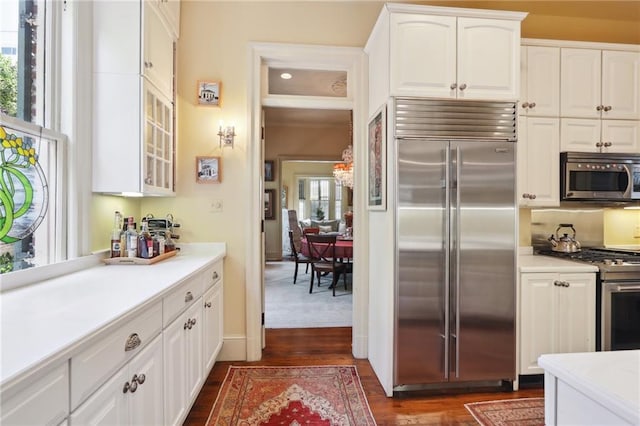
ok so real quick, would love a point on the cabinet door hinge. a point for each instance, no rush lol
(263, 318)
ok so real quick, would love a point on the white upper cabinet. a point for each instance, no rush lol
(157, 55)
(580, 83)
(621, 85)
(588, 135)
(540, 81)
(600, 84)
(423, 55)
(488, 59)
(170, 10)
(442, 52)
(133, 105)
(538, 171)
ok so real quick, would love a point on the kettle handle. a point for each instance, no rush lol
(566, 225)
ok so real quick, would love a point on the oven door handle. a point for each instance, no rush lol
(623, 288)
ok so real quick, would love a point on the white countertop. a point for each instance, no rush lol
(610, 378)
(42, 323)
(529, 262)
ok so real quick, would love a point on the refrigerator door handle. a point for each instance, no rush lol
(447, 260)
(456, 264)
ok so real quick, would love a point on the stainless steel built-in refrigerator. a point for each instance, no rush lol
(455, 243)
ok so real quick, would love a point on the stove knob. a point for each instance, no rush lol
(608, 262)
(619, 261)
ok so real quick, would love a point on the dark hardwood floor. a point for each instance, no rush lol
(324, 346)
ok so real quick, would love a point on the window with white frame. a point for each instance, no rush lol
(319, 198)
(32, 153)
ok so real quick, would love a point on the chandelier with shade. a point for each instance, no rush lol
(343, 172)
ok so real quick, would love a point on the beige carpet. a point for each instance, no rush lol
(289, 305)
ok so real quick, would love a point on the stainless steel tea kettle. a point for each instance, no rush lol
(566, 243)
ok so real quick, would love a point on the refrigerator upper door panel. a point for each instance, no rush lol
(420, 351)
(483, 241)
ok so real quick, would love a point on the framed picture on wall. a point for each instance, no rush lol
(269, 171)
(209, 93)
(376, 148)
(270, 203)
(208, 170)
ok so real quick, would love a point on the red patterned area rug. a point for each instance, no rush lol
(312, 395)
(520, 412)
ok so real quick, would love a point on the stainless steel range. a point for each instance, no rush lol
(618, 295)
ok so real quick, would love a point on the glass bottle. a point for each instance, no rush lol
(116, 237)
(145, 242)
(131, 238)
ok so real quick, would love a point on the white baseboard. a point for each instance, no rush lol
(234, 348)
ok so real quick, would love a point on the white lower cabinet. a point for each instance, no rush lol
(133, 396)
(145, 369)
(40, 401)
(212, 325)
(557, 315)
(183, 367)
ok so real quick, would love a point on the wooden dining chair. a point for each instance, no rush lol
(322, 249)
(297, 257)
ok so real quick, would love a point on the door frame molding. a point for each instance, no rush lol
(352, 60)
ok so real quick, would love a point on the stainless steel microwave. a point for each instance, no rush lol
(586, 176)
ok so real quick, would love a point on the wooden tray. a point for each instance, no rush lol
(139, 260)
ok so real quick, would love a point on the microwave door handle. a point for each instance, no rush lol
(627, 288)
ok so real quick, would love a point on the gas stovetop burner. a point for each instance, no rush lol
(609, 261)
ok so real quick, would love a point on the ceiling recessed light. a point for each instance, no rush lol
(285, 76)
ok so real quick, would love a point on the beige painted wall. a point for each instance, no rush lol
(213, 45)
(622, 227)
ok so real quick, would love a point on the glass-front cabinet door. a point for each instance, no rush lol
(159, 148)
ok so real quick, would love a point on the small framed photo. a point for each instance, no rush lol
(270, 203)
(269, 171)
(208, 170)
(209, 93)
(376, 148)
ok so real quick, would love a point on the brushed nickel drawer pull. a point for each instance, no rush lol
(188, 297)
(132, 342)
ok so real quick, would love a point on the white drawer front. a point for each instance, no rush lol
(96, 364)
(212, 275)
(42, 402)
(181, 298)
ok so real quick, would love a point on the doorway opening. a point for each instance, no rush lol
(296, 57)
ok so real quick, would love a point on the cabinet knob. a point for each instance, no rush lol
(188, 297)
(193, 321)
(463, 86)
(598, 144)
(532, 105)
(139, 378)
(525, 104)
(599, 108)
(207, 304)
(453, 86)
(215, 275)
(126, 387)
(607, 108)
(608, 144)
(532, 196)
(133, 341)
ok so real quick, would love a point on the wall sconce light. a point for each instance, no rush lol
(226, 135)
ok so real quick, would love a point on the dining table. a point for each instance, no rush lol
(344, 248)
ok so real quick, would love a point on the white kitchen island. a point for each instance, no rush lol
(595, 388)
